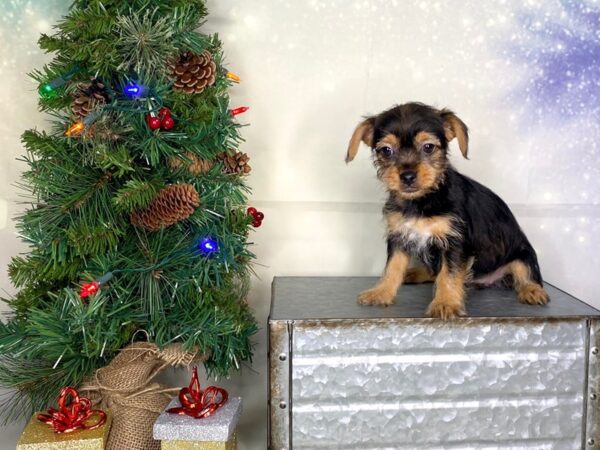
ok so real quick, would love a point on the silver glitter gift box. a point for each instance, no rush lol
(216, 432)
(346, 376)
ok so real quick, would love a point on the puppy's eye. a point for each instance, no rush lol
(428, 148)
(386, 152)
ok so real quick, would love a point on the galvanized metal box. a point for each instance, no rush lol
(346, 376)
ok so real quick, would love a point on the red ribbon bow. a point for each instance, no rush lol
(197, 403)
(73, 415)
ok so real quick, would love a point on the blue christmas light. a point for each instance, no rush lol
(208, 246)
(133, 89)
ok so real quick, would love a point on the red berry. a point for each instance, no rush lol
(259, 215)
(153, 122)
(167, 123)
(164, 112)
(252, 211)
(256, 223)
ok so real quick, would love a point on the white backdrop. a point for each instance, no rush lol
(523, 76)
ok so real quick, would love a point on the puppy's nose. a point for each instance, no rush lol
(408, 177)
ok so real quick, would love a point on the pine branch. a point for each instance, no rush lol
(116, 160)
(89, 240)
(145, 42)
(40, 145)
(136, 194)
(35, 268)
(59, 345)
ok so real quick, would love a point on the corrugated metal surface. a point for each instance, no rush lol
(592, 436)
(279, 384)
(414, 384)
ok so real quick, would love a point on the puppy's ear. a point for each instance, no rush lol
(456, 128)
(363, 132)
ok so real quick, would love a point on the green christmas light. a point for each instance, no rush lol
(48, 90)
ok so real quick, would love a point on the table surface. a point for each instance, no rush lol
(324, 298)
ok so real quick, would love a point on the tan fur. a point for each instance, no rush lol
(362, 133)
(390, 140)
(417, 275)
(455, 128)
(435, 225)
(528, 291)
(430, 173)
(428, 179)
(391, 178)
(427, 176)
(436, 228)
(449, 299)
(384, 292)
(423, 136)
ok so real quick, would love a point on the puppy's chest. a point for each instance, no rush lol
(421, 235)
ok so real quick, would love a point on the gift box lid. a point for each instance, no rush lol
(39, 436)
(218, 427)
(334, 298)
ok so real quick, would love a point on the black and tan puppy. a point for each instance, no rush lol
(461, 231)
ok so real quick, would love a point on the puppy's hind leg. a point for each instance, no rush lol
(528, 281)
(417, 275)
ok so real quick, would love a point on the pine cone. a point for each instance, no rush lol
(236, 163)
(172, 204)
(194, 164)
(88, 96)
(192, 73)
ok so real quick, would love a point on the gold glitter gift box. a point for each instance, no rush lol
(39, 436)
(216, 432)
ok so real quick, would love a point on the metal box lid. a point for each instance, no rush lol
(326, 298)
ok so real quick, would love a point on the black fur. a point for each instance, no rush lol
(406, 121)
(489, 231)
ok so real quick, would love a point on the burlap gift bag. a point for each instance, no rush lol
(126, 387)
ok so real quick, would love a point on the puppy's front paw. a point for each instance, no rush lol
(376, 296)
(533, 294)
(445, 311)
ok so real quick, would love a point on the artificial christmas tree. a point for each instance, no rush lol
(121, 239)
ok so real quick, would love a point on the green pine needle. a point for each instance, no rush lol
(145, 41)
(136, 194)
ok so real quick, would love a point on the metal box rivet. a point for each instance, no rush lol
(595, 350)
(590, 441)
(282, 405)
(593, 396)
(282, 357)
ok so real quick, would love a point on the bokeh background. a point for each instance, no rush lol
(524, 75)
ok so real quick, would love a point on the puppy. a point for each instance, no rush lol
(460, 230)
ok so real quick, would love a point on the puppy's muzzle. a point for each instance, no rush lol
(408, 177)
